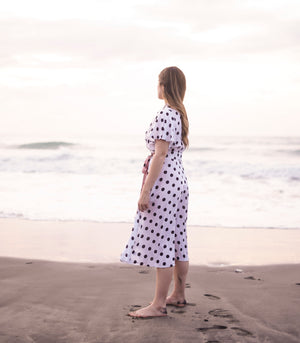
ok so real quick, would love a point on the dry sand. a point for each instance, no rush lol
(55, 302)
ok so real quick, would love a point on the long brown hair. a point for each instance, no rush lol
(173, 80)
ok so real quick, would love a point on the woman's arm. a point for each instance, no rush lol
(161, 150)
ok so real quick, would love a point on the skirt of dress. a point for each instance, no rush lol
(158, 237)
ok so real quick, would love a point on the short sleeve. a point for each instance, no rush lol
(166, 126)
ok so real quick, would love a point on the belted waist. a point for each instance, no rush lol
(170, 155)
(146, 167)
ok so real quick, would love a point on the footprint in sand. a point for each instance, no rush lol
(242, 332)
(252, 278)
(212, 297)
(218, 312)
(214, 327)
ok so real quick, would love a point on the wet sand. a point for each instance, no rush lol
(55, 302)
(75, 241)
(53, 288)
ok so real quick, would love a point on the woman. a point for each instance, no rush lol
(158, 238)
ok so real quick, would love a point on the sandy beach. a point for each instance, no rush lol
(81, 302)
(53, 287)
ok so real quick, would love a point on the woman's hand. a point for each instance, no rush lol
(143, 202)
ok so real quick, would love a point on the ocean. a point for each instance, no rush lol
(233, 181)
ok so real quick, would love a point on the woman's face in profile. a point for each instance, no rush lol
(160, 90)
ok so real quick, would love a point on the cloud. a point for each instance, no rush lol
(207, 14)
(259, 26)
(69, 51)
(87, 42)
(283, 37)
(193, 30)
(200, 15)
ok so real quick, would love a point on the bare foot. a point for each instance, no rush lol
(149, 312)
(178, 302)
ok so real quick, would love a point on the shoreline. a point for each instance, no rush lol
(94, 242)
(45, 301)
(130, 223)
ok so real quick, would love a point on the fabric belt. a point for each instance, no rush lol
(145, 168)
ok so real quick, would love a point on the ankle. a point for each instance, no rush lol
(177, 296)
(159, 305)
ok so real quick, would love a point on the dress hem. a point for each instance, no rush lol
(151, 266)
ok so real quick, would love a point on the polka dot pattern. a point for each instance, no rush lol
(158, 236)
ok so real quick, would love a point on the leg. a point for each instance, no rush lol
(163, 281)
(177, 297)
(180, 273)
(158, 306)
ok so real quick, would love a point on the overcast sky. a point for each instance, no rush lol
(91, 66)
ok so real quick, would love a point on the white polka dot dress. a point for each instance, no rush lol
(158, 237)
